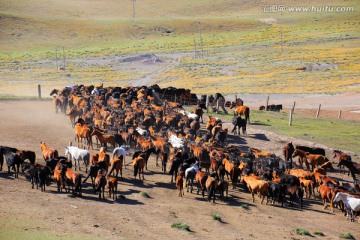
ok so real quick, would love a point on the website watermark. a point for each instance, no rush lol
(279, 8)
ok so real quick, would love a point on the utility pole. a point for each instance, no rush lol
(64, 57)
(133, 1)
(201, 43)
(194, 46)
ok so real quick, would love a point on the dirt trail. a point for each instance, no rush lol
(29, 213)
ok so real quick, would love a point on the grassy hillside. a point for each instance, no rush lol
(241, 43)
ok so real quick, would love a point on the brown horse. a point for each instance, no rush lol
(231, 170)
(104, 138)
(354, 168)
(112, 185)
(48, 153)
(139, 164)
(258, 153)
(288, 151)
(198, 111)
(117, 164)
(341, 156)
(200, 179)
(72, 178)
(311, 159)
(242, 110)
(82, 131)
(301, 154)
(100, 183)
(180, 183)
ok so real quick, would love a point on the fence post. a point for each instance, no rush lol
(70, 143)
(318, 111)
(293, 107)
(175, 98)
(235, 99)
(339, 116)
(267, 103)
(39, 91)
(291, 117)
(207, 104)
(217, 106)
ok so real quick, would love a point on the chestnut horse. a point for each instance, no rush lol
(139, 164)
(311, 159)
(104, 138)
(48, 153)
(82, 131)
(242, 110)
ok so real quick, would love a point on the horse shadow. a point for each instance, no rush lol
(260, 124)
(127, 201)
(168, 185)
(260, 136)
(236, 139)
(137, 182)
(7, 176)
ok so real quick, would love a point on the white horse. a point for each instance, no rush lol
(77, 153)
(119, 151)
(190, 174)
(352, 204)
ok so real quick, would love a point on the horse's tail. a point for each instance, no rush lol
(56, 154)
(136, 169)
(247, 114)
(211, 190)
(112, 169)
(78, 184)
(172, 169)
(86, 159)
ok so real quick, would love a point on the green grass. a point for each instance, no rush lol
(216, 217)
(337, 133)
(34, 229)
(145, 194)
(181, 226)
(302, 231)
(245, 206)
(318, 233)
(346, 236)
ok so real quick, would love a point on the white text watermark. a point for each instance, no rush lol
(273, 8)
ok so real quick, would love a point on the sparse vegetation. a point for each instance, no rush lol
(181, 226)
(216, 217)
(245, 206)
(145, 194)
(308, 128)
(318, 233)
(346, 236)
(242, 50)
(302, 231)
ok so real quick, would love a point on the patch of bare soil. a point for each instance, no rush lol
(28, 212)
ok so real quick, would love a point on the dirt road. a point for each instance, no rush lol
(31, 214)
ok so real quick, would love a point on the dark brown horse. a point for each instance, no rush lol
(341, 156)
(288, 151)
(354, 168)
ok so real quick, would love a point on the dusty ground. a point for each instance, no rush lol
(29, 213)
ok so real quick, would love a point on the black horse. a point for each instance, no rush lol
(13, 161)
(175, 165)
(238, 122)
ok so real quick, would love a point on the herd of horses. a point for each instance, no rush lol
(136, 120)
